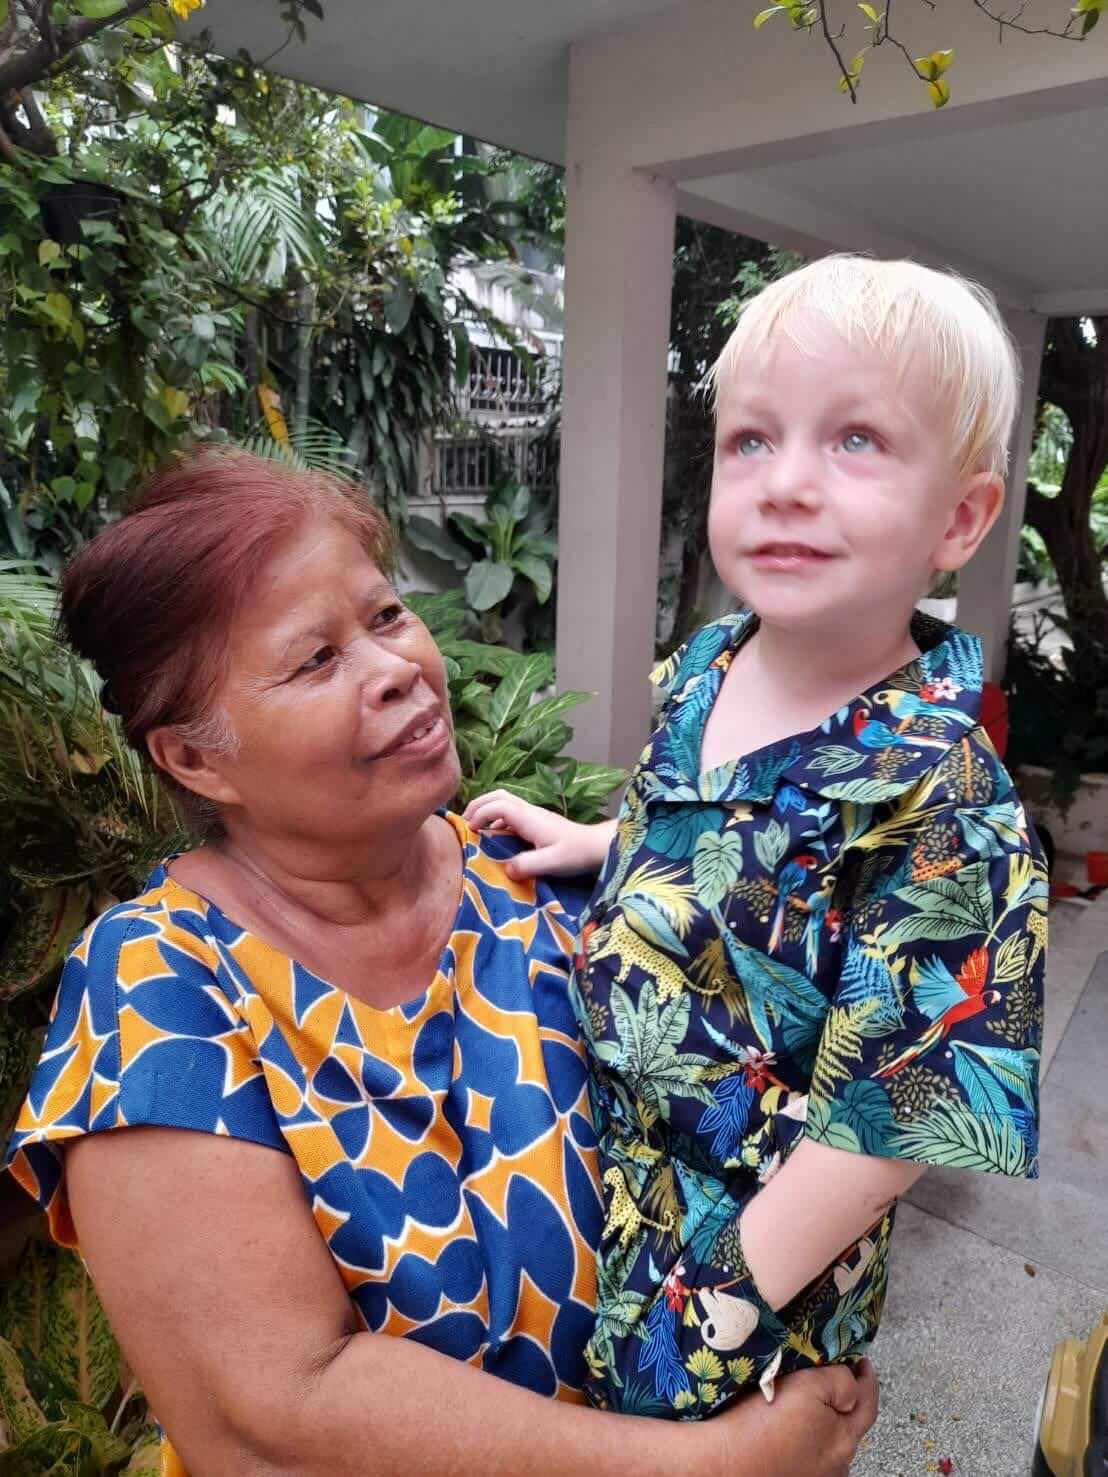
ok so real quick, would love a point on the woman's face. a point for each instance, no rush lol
(337, 696)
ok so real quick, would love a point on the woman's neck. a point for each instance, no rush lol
(346, 887)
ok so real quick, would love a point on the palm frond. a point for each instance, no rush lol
(316, 448)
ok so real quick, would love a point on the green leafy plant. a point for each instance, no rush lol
(1058, 707)
(81, 819)
(191, 247)
(67, 1405)
(509, 727)
(512, 544)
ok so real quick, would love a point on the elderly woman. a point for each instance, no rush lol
(333, 1042)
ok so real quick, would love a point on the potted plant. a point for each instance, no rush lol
(1058, 713)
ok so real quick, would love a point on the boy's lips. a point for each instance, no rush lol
(781, 554)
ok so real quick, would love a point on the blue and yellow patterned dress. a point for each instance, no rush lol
(445, 1145)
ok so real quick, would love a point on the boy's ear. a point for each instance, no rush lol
(190, 766)
(975, 512)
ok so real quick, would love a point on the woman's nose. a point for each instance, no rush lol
(387, 675)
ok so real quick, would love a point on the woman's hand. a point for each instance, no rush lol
(561, 847)
(812, 1428)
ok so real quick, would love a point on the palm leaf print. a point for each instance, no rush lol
(647, 1052)
(840, 1045)
(950, 1136)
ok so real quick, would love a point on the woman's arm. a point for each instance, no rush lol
(232, 1313)
(821, 1201)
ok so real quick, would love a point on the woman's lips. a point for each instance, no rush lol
(786, 558)
(426, 741)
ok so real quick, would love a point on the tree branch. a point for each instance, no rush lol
(30, 66)
(1014, 23)
(832, 42)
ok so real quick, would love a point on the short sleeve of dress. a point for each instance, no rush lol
(143, 1032)
(930, 1051)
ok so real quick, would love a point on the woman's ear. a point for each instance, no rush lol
(195, 768)
(975, 512)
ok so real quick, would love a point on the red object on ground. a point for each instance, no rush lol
(1096, 868)
(946, 1466)
(994, 715)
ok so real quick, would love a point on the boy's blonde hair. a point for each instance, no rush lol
(902, 310)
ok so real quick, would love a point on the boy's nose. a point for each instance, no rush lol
(791, 480)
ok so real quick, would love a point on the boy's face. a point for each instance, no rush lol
(835, 495)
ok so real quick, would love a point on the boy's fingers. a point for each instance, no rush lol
(487, 809)
(532, 863)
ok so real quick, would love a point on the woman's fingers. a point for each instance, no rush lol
(841, 1389)
(865, 1412)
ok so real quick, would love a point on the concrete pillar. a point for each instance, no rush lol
(619, 268)
(985, 585)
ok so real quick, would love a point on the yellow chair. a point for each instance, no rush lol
(1071, 1430)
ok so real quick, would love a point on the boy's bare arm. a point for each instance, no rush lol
(560, 846)
(819, 1203)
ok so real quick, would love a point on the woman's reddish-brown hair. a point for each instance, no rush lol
(151, 599)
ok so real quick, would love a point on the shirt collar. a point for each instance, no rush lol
(876, 747)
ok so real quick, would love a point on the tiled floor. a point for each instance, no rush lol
(988, 1275)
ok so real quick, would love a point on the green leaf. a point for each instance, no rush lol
(398, 306)
(19, 1414)
(539, 571)
(946, 907)
(487, 583)
(52, 1308)
(1089, 22)
(949, 1135)
(864, 1108)
(514, 691)
(59, 308)
(771, 844)
(717, 865)
(940, 92)
(764, 15)
(426, 534)
(48, 251)
(146, 1458)
(870, 14)
(98, 10)
(203, 326)
(108, 1450)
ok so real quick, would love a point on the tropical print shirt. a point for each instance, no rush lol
(840, 935)
(445, 1146)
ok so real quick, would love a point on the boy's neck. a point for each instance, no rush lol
(845, 663)
(783, 683)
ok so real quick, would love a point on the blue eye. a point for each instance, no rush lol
(857, 441)
(748, 444)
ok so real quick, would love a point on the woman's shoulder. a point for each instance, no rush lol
(490, 851)
(163, 920)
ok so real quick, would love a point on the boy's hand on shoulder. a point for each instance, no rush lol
(561, 847)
